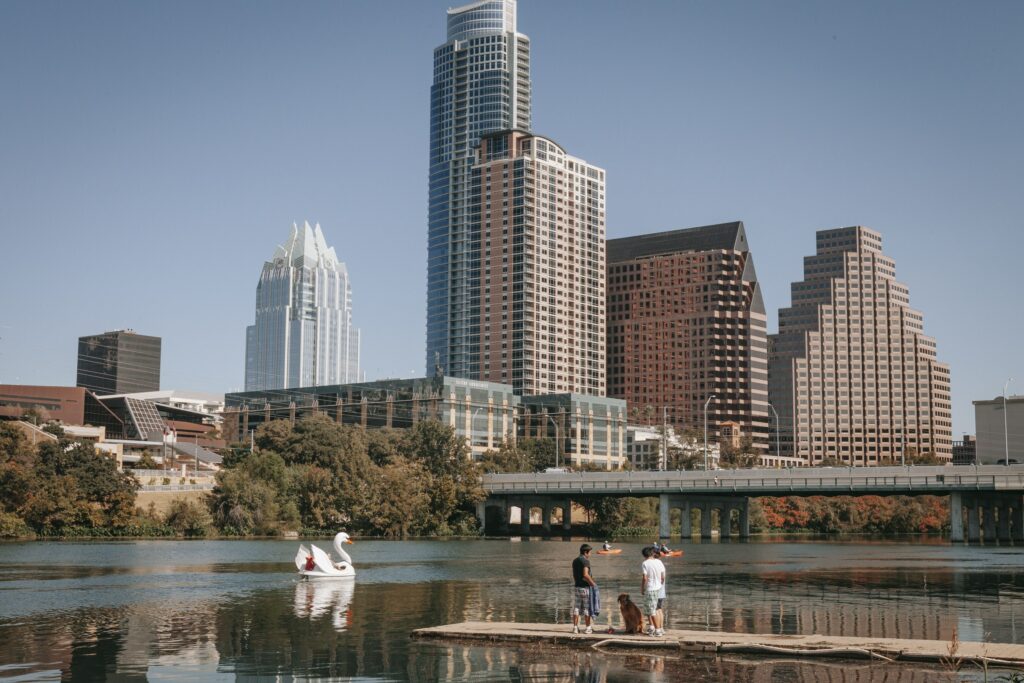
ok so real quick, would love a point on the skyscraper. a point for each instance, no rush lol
(303, 334)
(118, 362)
(481, 85)
(538, 215)
(686, 322)
(851, 373)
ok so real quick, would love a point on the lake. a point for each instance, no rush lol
(234, 610)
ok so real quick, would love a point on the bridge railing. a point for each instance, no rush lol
(766, 482)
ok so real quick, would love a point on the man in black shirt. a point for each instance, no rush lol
(583, 582)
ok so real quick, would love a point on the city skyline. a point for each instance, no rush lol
(167, 164)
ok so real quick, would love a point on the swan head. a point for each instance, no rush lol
(342, 537)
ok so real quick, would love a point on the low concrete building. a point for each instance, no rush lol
(999, 431)
(646, 449)
(590, 429)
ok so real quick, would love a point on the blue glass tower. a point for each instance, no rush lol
(481, 85)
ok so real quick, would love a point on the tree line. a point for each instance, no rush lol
(318, 476)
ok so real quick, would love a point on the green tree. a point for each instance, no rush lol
(384, 446)
(188, 518)
(404, 503)
(453, 479)
(742, 456)
(244, 504)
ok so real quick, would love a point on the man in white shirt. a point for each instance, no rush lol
(651, 586)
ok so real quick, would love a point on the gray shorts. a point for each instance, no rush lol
(580, 602)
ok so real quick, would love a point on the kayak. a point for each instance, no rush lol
(673, 553)
(613, 551)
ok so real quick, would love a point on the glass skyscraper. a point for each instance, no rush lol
(481, 85)
(303, 334)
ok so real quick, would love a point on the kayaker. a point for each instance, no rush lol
(607, 545)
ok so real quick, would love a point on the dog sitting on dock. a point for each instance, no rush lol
(631, 614)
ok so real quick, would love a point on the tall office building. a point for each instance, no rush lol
(303, 334)
(481, 85)
(851, 373)
(686, 323)
(118, 362)
(539, 217)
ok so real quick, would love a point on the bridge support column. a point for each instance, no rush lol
(664, 516)
(725, 522)
(956, 517)
(567, 516)
(973, 527)
(524, 518)
(1004, 520)
(686, 533)
(1017, 530)
(546, 522)
(989, 522)
(481, 514)
(705, 520)
(745, 519)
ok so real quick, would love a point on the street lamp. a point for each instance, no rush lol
(706, 431)
(776, 431)
(471, 428)
(1006, 432)
(548, 415)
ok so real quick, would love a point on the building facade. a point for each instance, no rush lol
(965, 451)
(687, 328)
(481, 84)
(587, 429)
(851, 373)
(118, 362)
(303, 333)
(999, 425)
(539, 300)
(66, 405)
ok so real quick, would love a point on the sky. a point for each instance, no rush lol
(153, 154)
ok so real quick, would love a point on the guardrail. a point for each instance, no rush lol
(176, 487)
(805, 481)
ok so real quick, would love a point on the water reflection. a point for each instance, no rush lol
(201, 611)
(314, 599)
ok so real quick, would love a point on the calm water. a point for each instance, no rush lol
(233, 610)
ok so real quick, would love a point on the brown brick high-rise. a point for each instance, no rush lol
(686, 321)
(853, 377)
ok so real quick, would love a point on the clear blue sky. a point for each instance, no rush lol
(153, 154)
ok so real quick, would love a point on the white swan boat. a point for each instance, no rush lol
(314, 563)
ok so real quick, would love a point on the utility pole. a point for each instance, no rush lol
(706, 431)
(1006, 433)
(664, 438)
(776, 430)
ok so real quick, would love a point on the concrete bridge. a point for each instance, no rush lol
(991, 495)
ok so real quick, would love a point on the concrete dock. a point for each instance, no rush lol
(714, 642)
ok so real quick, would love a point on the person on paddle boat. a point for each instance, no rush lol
(310, 563)
(607, 545)
(663, 549)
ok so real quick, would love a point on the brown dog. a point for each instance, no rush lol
(631, 614)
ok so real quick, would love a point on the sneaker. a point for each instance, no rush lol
(590, 629)
(575, 630)
(659, 632)
(649, 630)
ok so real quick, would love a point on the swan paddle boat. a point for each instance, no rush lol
(314, 563)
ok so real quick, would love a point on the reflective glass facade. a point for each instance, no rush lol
(481, 85)
(303, 333)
